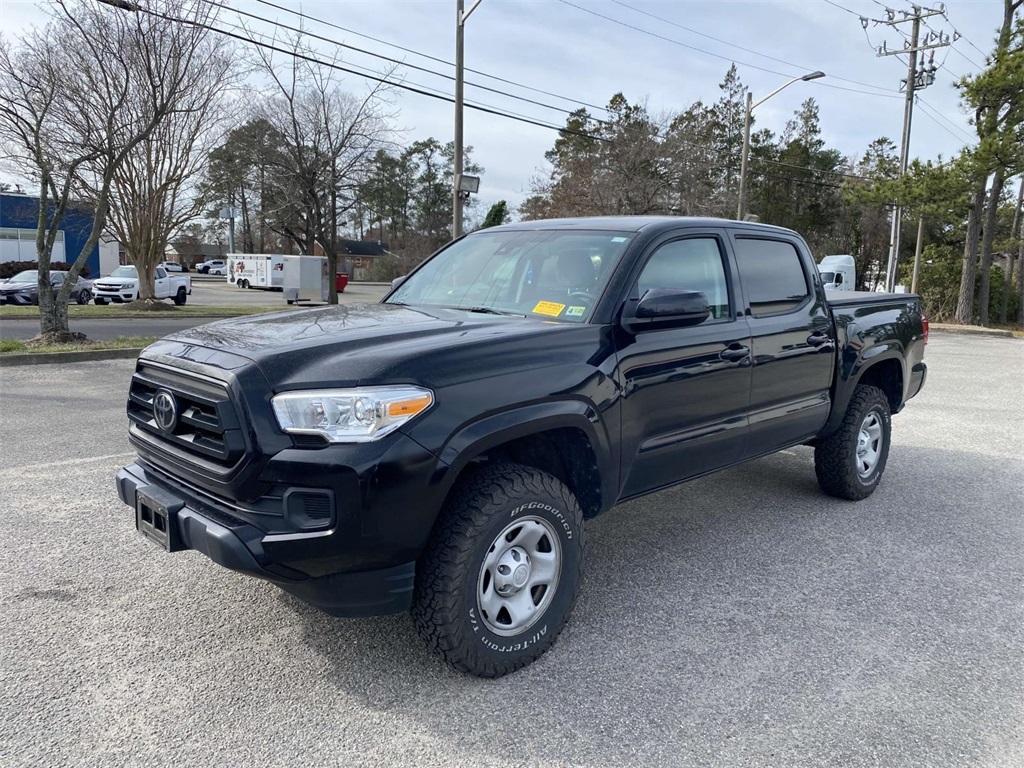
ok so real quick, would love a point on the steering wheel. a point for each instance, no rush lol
(579, 297)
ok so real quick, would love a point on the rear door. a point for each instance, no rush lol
(685, 390)
(792, 339)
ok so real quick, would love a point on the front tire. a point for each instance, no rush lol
(83, 297)
(180, 297)
(100, 302)
(500, 575)
(849, 463)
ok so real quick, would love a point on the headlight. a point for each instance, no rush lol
(350, 415)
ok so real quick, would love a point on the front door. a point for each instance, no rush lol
(685, 390)
(161, 283)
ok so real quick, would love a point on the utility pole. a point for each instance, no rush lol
(917, 254)
(916, 79)
(460, 61)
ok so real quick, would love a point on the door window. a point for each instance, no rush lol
(693, 264)
(772, 274)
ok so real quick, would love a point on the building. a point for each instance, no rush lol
(190, 251)
(19, 215)
(357, 257)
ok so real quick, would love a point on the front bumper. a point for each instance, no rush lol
(241, 546)
(17, 299)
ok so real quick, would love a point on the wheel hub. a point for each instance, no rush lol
(519, 575)
(512, 571)
(869, 444)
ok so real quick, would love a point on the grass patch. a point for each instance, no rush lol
(11, 346)
(113, 311)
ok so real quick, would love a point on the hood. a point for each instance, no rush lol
(8, 286)
(117, 280)
(353, 344)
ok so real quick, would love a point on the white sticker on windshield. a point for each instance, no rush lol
(618, 239)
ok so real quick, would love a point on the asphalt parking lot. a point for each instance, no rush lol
(743, 619)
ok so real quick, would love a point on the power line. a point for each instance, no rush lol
(938, 118)
(383, 57)
(428, 56)
(737, 45)
(716, 55)
(368, 75)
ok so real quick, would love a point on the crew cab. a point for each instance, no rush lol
(440, 450)
(122, 285)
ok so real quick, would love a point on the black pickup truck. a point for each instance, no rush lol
(440, 450)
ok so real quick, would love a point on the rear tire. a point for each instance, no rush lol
(83, 297)
(849, 463)
(480, 615)
(180, 297)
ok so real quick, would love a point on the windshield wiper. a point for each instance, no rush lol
(490, 311)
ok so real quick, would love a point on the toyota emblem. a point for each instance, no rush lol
(165, 410)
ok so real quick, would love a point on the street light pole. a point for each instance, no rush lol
(747, 119)
(460, 22)
(741, 206)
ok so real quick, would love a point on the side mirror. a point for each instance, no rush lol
(666, 308)
(398, 281)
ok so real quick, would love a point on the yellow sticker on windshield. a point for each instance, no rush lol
(549, 308)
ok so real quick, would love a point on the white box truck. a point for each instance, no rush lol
(838, 273)
(256, 270)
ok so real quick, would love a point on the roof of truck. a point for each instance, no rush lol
(638, 223)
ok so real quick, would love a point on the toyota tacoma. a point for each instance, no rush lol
(439, 451)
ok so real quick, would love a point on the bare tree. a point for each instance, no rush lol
(331, 138)
(76, 98)
(156, 189)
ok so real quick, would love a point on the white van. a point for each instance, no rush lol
(256, 270)
(838, 273)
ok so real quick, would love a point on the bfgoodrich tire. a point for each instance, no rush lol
(500, 575)
(849, 463)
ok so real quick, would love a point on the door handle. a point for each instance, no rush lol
(734, 353)
(817, 339)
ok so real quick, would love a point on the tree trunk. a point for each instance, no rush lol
(1020, 272)
(147, 271)
(988, 236)
(965, 303)
(1008, 277)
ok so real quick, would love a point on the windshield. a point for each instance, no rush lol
(558, 275)
(28, 276)
(828, 277)
(124, 272)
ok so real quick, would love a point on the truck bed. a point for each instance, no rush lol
(841, 298)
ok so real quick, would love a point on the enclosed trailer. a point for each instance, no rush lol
(305, 279)
(256, 270)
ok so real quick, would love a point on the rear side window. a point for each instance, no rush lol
(694, 264)
(772, 274)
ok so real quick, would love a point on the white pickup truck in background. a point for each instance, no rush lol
(122, 285)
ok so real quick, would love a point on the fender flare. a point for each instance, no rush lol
(849, 377)
(479, 436)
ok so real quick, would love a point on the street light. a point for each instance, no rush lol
(740, 208)
(461, 14)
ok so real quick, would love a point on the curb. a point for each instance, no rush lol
(970, 330)
(42, 358)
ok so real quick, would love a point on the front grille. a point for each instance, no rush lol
(206, 428)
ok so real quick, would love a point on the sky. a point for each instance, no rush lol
(555, 47)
